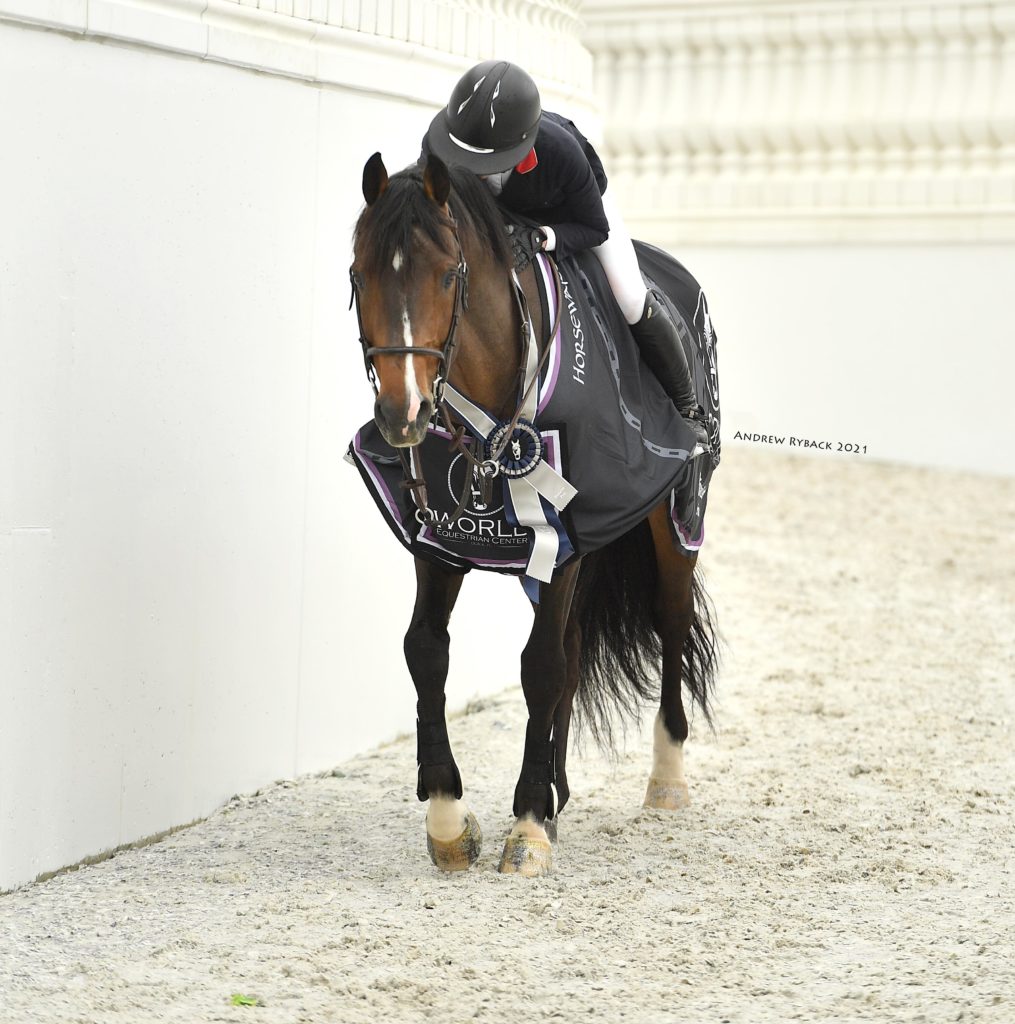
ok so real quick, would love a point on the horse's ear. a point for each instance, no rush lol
(436, 180)
(375, 179)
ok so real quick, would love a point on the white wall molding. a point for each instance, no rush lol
(809, 121)
(365, 45)
(198, 595)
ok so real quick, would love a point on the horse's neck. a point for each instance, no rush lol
(490, 349)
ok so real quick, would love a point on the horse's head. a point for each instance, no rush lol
(408, 275)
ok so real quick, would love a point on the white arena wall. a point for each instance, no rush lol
(197, 595)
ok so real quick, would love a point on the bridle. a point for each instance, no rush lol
(486, 469)
(446, 353)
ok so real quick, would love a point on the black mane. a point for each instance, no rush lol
(388, 224)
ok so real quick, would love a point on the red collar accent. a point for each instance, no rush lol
(529, 163)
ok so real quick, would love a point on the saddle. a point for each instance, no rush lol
(602, 444)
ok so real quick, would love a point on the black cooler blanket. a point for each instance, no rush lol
(604, 426)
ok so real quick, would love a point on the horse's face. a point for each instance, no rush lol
(406, 303)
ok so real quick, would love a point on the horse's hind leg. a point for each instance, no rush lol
(527, 850)
(674, 616)
(453, 836)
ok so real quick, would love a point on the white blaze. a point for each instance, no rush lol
(397, 261)
(411, 390)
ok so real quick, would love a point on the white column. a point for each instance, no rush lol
(865, 119)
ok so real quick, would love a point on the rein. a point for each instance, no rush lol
(485, 469)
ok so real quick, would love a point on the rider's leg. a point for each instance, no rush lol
(650, 324)
(618, 258)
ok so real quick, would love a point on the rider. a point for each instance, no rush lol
(540, 165)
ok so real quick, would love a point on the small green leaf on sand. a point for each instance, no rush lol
(242, 1000)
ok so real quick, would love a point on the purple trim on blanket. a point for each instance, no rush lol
(551, 439)
(683, 534)
(511, 563)
(689, 545)
(382, 487)
(550, 381)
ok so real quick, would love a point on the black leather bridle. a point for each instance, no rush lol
(446, 353)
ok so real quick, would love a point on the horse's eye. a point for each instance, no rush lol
(357, 279)
(449, 278)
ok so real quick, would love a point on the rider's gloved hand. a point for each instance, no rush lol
(525, 243)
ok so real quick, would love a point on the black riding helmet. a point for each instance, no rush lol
(492, 119)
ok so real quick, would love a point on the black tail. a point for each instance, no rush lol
(621, 651)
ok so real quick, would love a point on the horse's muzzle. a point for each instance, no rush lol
(396, 428)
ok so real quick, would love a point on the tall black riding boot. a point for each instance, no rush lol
(661, 348)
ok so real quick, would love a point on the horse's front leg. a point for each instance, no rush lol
(453, 836)
(527, 850)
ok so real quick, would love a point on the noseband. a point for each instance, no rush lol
(446, 353)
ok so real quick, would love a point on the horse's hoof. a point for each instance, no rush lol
(527, 856)
(667, 794)
(457, 854)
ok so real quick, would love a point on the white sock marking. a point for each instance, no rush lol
(667, 754)
(445, 818)
(527, 828)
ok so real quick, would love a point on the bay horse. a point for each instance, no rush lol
(607, 623)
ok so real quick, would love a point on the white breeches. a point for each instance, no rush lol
(619, 261)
